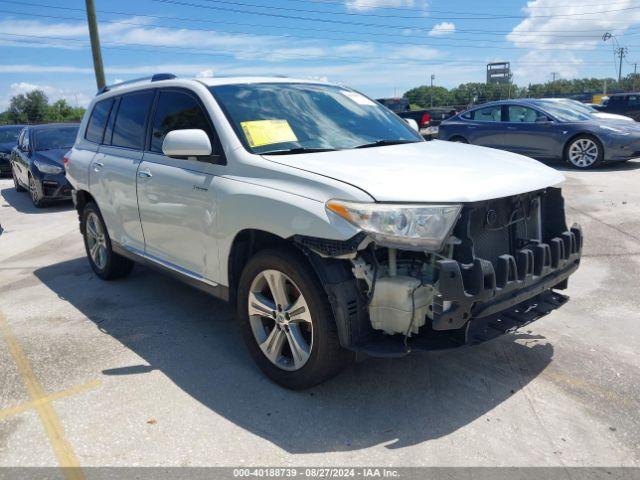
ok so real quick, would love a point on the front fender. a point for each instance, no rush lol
(242, 206)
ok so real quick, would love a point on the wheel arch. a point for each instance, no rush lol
(334, 275)
(82, 198)
(580, 134)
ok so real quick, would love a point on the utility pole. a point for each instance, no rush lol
(95, 44)
(635, 75)
(553, 83)
(433, 77)
(621, 52)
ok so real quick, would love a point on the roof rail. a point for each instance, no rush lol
(154, 78)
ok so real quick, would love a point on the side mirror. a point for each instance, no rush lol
(543, 120)
(413, 124)
(186, 143)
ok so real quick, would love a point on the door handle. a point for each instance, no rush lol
(471, 127)
(145, 174)
(97, 166)
(511, 128)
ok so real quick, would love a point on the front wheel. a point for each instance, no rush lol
(16, 183)
(584, 152)
(107, 264)
(34, 191)
(286, 321)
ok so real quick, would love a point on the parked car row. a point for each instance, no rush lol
(335, 229)
(547, 129)
(34, 156)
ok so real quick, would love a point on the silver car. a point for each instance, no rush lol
(331, 225)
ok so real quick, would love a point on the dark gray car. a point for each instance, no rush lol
(37, 161)
(8, 140)
(544, 129)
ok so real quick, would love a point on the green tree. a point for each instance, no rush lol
(28, 108)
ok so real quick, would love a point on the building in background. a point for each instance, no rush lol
(499, 73)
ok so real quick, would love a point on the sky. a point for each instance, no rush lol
(380, 47)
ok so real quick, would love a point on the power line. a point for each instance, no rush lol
(474, 16)
(388, 6)
(550, 33)
(263, 53)
(289, 35)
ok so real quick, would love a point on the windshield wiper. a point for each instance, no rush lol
(384, 143)
(294, 151)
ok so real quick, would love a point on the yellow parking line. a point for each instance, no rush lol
(7, 412)
(64, 452)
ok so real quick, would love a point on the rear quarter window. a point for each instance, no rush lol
(98, 121)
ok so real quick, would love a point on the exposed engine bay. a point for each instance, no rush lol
(499, 254)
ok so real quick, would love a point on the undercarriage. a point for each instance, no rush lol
(499, 269)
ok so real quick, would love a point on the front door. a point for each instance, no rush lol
(529, 132)
(176, 198)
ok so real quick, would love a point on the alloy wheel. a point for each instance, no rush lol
(33, 191)
(96, 241)
(583, 153)
(280, 320)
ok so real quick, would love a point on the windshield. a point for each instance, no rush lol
(9, 135)
(301, 117)
(52, 138)
(564, 111)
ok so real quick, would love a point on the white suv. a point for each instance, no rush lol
(328, 221)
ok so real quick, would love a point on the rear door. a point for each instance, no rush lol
(529, 132)
(113, 170)
(484, 127)
(633, 107)
(176, 197)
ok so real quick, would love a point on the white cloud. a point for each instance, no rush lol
(528, 68)
(371, 4)
(565, 25)
(442, 29)
(72, 96)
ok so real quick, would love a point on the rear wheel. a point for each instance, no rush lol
(287, 322)
(34, 192)
(584, 152)
(107, 264)
(16, 183)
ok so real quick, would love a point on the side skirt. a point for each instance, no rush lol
(183, 275)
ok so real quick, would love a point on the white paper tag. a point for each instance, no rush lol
(358, 98)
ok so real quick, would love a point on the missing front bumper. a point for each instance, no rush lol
(480, 290)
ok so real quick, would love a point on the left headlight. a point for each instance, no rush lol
(47, 167)
(417, 227)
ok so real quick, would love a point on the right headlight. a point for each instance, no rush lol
(415, 227)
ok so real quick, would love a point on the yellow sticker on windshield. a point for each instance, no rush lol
(268, 132)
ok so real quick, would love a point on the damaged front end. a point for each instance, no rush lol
(497, 269)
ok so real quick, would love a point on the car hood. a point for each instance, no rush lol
(613, 116)
(435, 171)
(54, 156)
(7, 147)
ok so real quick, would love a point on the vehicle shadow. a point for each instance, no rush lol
(190, 337)
(22, 203)
(607, 167)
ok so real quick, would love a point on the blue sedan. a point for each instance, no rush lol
(545, 129)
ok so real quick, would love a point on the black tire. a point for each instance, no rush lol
(16, 183)
(458, 139)
(588, 164)
(327, 358)
(115, 266)
(34, 193)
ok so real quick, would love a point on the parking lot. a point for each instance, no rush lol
(147, 371)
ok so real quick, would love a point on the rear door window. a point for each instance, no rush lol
(129, 128)
(98, 121)
(488, 114)
(177, 111)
